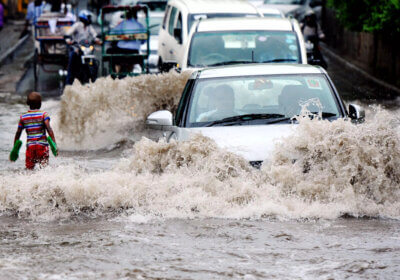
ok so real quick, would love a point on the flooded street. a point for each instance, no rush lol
(132, 247)
(116, 206)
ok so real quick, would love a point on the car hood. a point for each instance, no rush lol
(253, 142)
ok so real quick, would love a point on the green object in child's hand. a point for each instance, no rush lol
(53, 146)
(15, 150)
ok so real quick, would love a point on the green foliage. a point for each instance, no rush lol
(369, 15)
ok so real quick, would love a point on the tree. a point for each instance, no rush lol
(369, 15)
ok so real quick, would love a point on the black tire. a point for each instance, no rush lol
(161, 66)
(93, 71)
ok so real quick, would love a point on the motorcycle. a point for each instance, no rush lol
(85, 65)
(314, 55)
(90, 65)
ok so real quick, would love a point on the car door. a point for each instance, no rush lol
(177, 49)
(170, 43)
(163, 36)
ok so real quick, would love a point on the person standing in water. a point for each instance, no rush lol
(35, 122)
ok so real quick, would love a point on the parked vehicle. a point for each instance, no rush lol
(179, 17)
(227, 41)
(246, 108)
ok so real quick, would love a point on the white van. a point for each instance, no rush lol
(225, 41)
(179, 17)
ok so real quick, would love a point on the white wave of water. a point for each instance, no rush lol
(93, 116)
(324, 170)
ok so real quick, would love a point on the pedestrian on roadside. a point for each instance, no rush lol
(1, 15)
(36, 123)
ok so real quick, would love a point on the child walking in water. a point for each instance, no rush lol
(35, 122)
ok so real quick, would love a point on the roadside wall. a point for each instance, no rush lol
(372, 52)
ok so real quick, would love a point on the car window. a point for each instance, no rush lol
(172, 20)
(217, 48)
(283, 95)
(165, 16)
(193, 17)
(178, 23)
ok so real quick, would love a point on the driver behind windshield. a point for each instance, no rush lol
(223, 101)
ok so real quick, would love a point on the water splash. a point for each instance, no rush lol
(324, 170)
(93, 116)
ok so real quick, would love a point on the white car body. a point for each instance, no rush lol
(178, 16)
(253, 142)
(270, 12)
(243, 24)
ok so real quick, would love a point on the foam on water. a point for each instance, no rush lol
(324, 170)
(96, 115)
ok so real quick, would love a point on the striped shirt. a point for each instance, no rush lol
(33, 123)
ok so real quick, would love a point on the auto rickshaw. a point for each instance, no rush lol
(111, 16)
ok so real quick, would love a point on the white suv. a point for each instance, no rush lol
(225, 41)
(179, 17)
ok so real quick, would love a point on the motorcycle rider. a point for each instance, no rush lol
(80, 30)
(312, 32)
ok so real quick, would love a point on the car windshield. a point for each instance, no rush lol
(259, 99)
(285, 2)
(219, 48)
(193, 17)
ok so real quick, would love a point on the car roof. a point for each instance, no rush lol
(256, 69)
(226, 24)
(217, 6)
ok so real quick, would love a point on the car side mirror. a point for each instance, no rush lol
(178, 35)
(160, 118)
(315, 3)
(356, 113)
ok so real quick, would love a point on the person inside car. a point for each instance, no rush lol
(223, 100)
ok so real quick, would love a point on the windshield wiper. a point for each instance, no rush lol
(230, 62)
(280, 60)
(244, 118)
(325, 114)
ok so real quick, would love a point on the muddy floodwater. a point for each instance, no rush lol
(115, 205)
